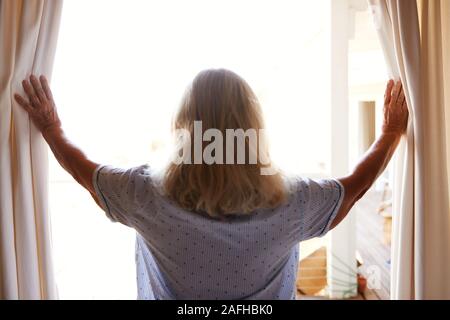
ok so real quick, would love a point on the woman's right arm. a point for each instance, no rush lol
(377, 158)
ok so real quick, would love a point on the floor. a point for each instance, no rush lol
(374, 252)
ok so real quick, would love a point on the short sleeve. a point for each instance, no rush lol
(121, 192)
(319, 202)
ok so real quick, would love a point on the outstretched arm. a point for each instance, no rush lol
(42, 110)
(377, 158)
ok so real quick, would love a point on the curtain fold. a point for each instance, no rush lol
(28, 35)
(414, 51)
(434, 16)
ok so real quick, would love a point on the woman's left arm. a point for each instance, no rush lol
(42, 110)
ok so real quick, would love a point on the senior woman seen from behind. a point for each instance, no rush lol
(220, 222)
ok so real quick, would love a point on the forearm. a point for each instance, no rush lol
(376, 160)
(70, 157)
(366, 172)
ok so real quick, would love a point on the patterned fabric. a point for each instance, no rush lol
(187, 255)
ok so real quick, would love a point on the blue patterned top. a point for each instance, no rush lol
(186, 255)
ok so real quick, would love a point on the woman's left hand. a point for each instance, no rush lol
(40, 104)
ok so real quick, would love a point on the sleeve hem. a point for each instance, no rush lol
(335, 209)
(100, 196)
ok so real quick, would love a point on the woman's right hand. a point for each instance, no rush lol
(395, 109)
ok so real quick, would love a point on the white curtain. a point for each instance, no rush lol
(416, 52)
(28, 34)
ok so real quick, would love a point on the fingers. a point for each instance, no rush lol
(46, 87)
(38, 88)
(24, 103)
(30, 93)
(401, 97)
(396, 92)
(388, 93)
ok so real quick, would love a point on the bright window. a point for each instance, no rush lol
(120, 70)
